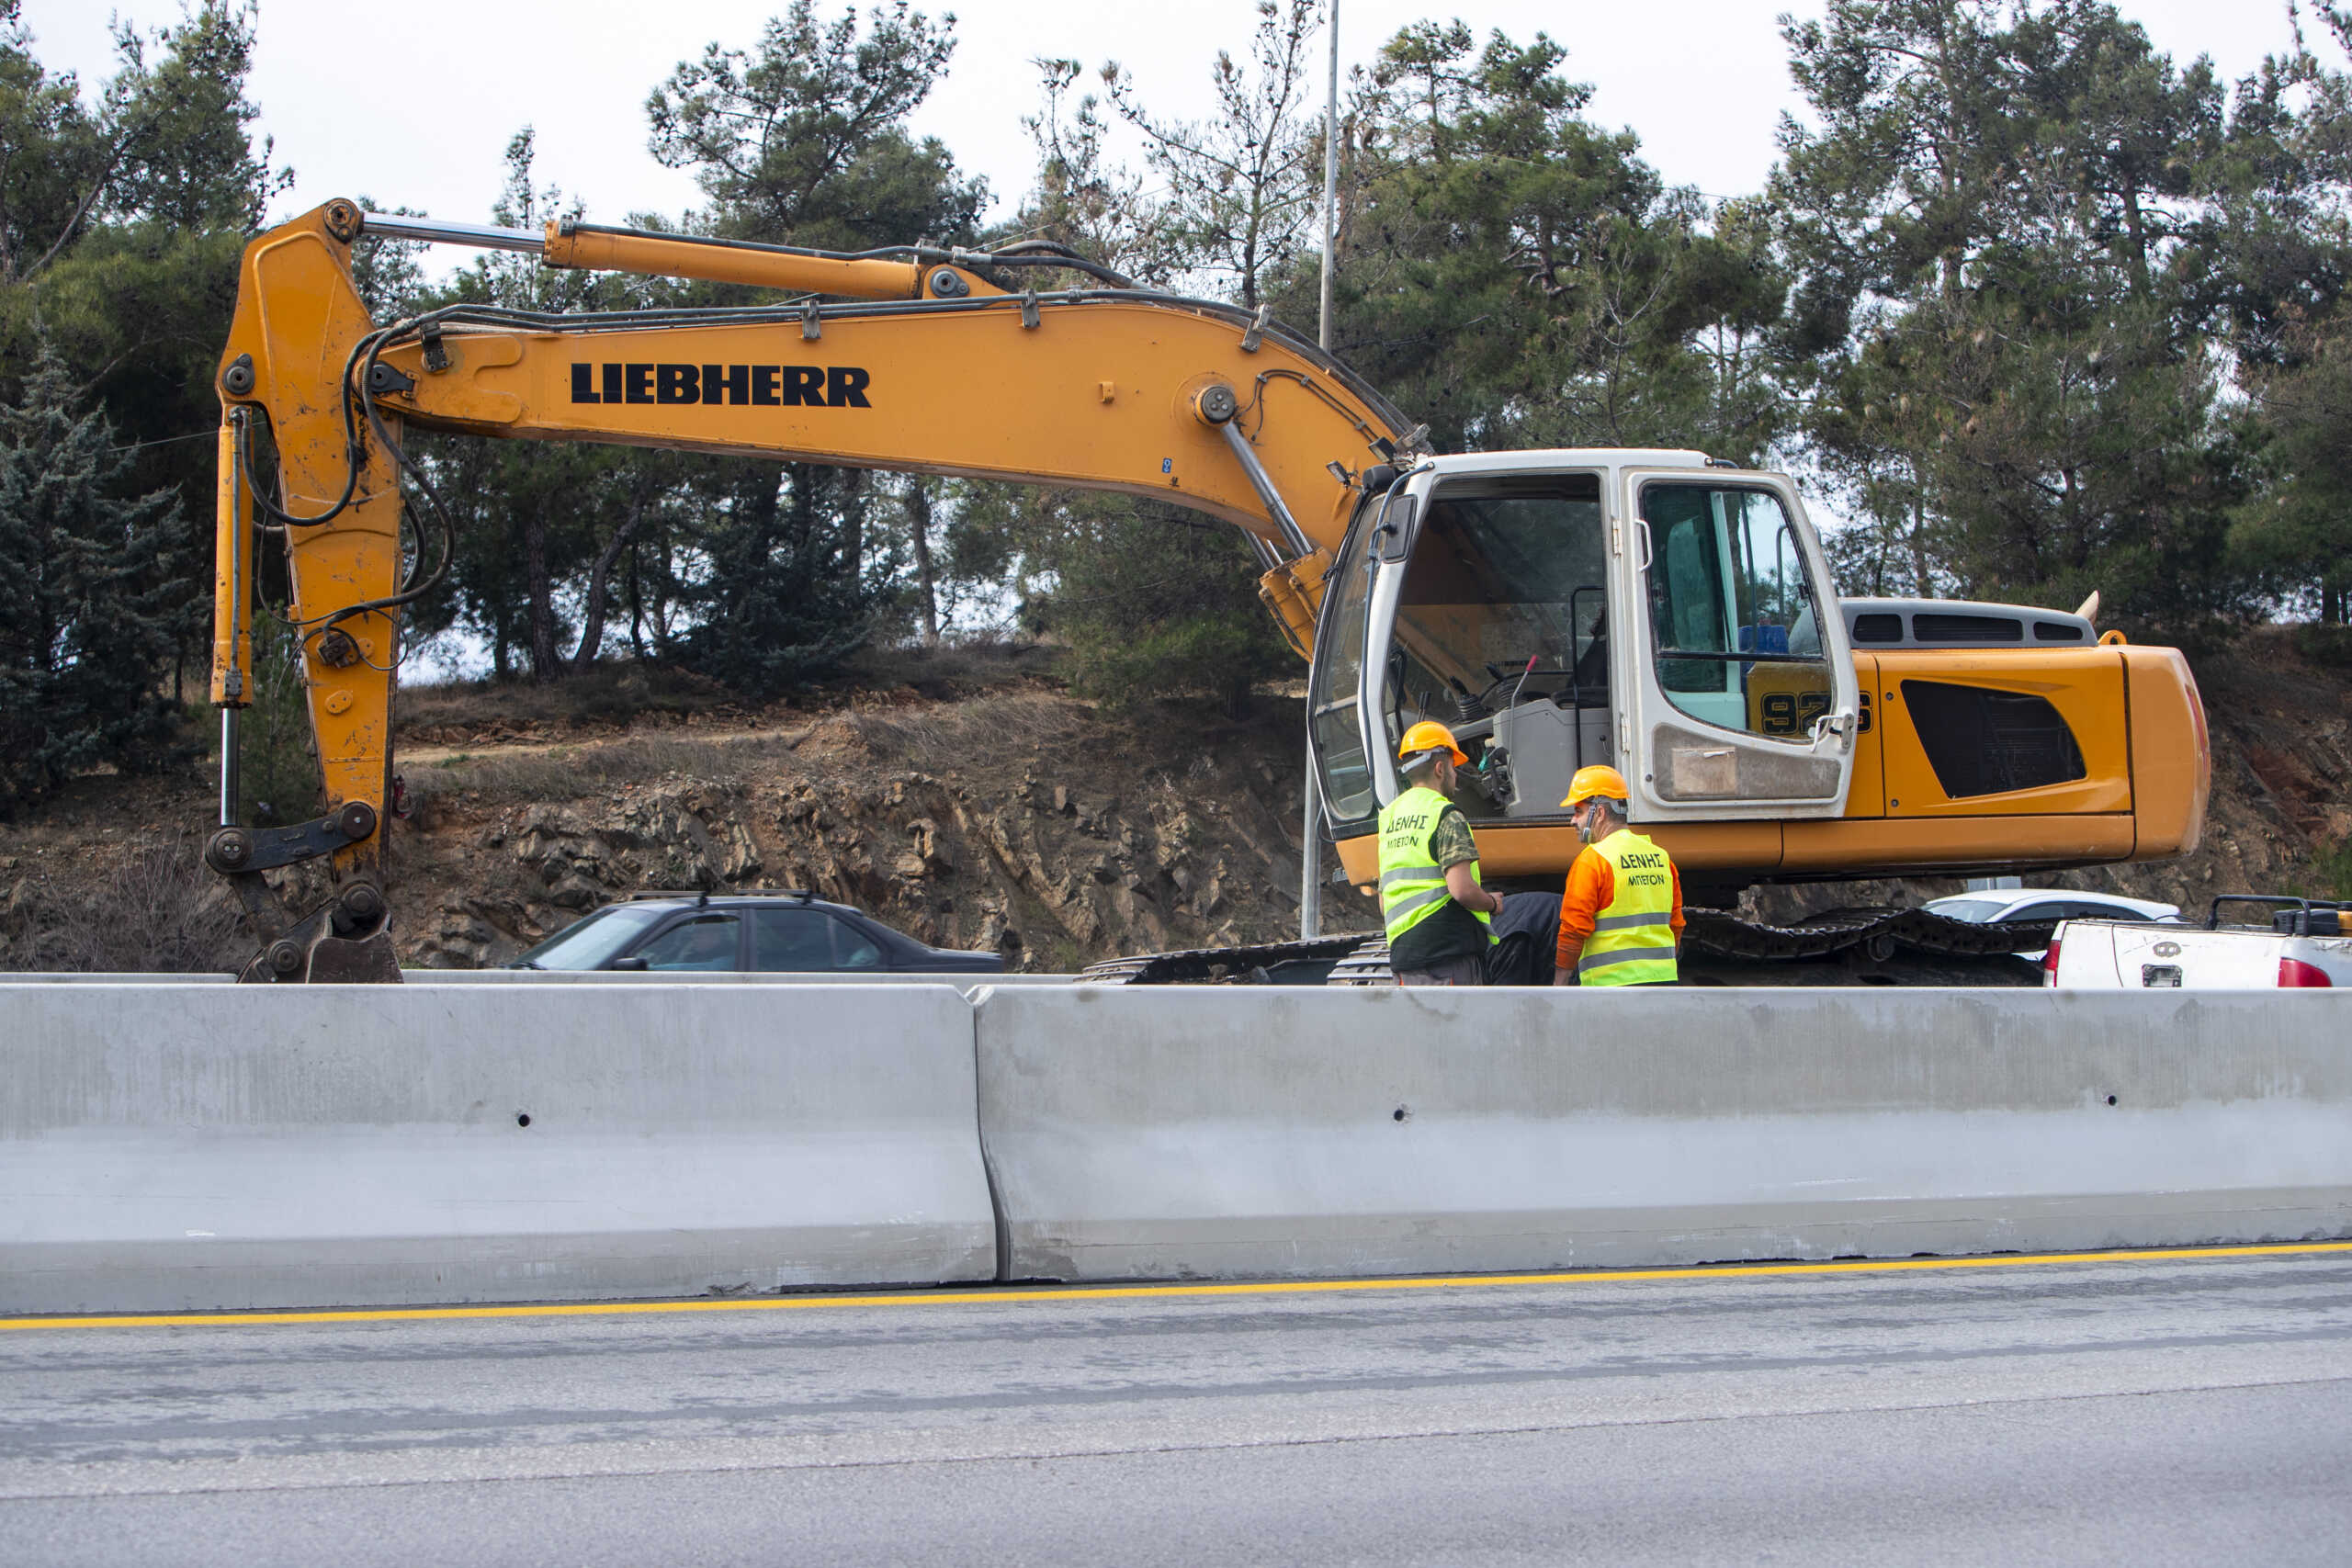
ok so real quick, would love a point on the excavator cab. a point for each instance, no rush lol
(1647, 610)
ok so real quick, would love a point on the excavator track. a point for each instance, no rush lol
(1877, 945)
(1305, 962)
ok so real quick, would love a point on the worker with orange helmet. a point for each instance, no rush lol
(1621, 916)
(1431, 901)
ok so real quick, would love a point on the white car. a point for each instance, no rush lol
(2035, 904)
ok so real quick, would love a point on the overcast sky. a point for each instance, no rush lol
(412, 103)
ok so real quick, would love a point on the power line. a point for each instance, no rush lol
(164, 441)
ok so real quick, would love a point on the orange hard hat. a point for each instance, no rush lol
(1430, 736)
(1596, 780)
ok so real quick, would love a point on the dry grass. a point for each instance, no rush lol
(980, 730)
(955, 670)
(1004, 728)
(569, 773)
(615, 693)
(607, 695)
(156, 909)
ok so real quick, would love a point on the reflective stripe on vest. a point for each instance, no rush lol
(1412, 884)
(1632, 940)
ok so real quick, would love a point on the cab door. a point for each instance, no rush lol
(1343, 727)
(1738, 697)
(1387, 552)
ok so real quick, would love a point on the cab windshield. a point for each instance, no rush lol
(1505, 598)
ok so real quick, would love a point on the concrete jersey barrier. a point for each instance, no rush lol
(78, 978)
(190, 1146)
(967, 984)
(1173, 1132)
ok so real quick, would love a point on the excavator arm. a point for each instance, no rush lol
(940, 362)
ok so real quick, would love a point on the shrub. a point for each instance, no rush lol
(156, 911)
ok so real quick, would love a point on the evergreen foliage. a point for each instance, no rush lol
(87, 623)
(2033, 307)
(784, 601)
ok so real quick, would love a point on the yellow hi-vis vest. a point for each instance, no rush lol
(1412, 887)
(1633, 939)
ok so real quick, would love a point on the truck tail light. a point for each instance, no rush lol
(2295, 971)
(2050, 963)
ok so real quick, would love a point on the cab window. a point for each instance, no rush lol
(853, 949)
(1734, 611)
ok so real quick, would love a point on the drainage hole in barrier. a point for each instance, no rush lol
(523, 1118)
(2110, 1100)
(1404, 1112)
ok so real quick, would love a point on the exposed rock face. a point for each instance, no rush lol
(1053, 875)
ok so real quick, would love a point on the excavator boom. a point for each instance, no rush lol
(932, 366)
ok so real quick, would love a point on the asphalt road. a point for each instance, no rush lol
(2149, 1411)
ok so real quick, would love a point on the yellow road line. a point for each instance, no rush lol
(995, 1295)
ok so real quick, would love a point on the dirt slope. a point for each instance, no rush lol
(1007, 816)
(1017, 819)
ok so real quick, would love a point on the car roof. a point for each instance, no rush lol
(790, 898)
(2012, 898)
(748, 897)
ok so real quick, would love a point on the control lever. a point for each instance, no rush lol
(1494, 774)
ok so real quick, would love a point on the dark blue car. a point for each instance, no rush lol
(789, 934)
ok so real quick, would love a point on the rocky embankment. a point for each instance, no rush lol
(1020, 821)
(1051, 860)
(1017, 819)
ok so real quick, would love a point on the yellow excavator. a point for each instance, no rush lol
(1661, 611)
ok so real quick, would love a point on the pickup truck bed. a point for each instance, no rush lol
(2307, 946)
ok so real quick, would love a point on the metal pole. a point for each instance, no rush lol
(229, 772)
(1330, 176)
(1310, 862)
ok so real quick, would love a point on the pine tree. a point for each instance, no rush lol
(87, 623)
(1999, 307)
(784, 603)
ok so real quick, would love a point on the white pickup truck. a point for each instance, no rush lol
(2305, 943)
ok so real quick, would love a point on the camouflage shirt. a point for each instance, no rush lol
(1450, 841)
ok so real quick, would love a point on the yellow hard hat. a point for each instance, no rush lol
(1597, 779)
(1430, 736)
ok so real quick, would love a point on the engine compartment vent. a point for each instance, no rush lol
(1982, 742)
(1950, 628)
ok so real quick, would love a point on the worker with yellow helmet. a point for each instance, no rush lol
(1431, 901)
(1621, 915)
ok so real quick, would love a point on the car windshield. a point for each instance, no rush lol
(588, 943)
(1978, 909)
